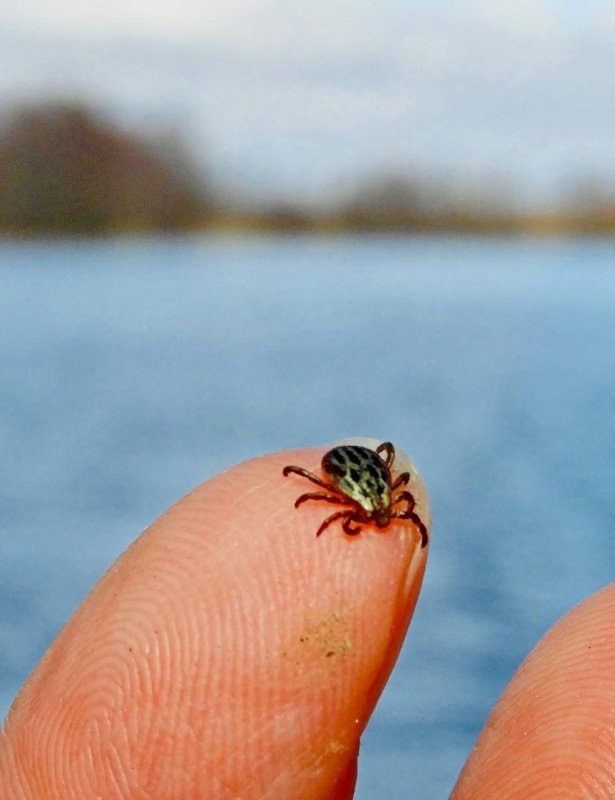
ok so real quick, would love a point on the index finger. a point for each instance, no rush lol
(228, 653)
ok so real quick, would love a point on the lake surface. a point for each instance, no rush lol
(132, 370)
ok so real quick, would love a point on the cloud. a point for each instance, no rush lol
(305, 94)
(159, 20)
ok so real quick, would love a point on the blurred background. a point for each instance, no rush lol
(229, 230)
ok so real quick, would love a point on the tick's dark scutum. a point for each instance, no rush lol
(360, 473)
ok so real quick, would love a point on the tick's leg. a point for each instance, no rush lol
(330, 498)
(309, 475)
(348, 528)
(408, 513)
(401, 480)
(408, 497)
(332, 518)
(390, 453)
(419, 524)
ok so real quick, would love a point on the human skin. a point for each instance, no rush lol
(551, 735)
(231, 654)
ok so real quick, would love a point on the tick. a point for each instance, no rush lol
(361, 479)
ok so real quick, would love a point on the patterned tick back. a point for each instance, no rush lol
(361, 475)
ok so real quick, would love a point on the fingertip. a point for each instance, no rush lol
(385, 567)
(552, 733)
(229, 647)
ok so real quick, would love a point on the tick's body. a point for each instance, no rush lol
(361, 479)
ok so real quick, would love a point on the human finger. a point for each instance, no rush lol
(228, 653)
(552, 733)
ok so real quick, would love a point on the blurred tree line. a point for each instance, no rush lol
(64, 170)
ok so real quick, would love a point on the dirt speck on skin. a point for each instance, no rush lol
(318, 643)
(336, 747)
(326, 633)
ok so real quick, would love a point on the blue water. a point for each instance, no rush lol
(132, 370)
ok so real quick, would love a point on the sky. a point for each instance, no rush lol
(297, 99)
